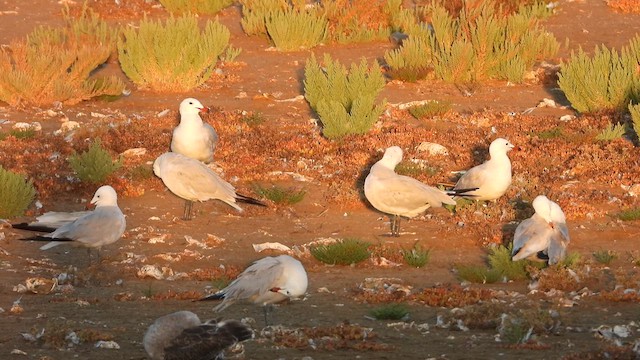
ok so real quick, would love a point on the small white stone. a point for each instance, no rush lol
(432, 148)
(107, 345)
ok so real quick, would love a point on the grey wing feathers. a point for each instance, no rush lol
(206, 341)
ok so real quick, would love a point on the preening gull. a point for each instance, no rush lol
(193, 181)
(493, 177)
(181, 336)
(267, 281)
(193, 137)
(400, 195)
(102, 226)
(546, 232)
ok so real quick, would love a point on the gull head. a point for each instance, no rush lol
(392, 157)
(500, 146)
(549, 210)
(105, 196)
(191, 106)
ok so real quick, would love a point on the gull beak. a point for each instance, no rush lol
(275, 289)
(90, 206)
(204, 110)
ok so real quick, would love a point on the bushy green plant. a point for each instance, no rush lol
(280, 195)
(292, 29)
(360, 21)
(255, 13)
(556, 132)
(479, 44)
(500, 260)
(430, 109)
(174, 56)
(344, 100)
(605, 256)
(630, 214)
(611, 132)
(605, 81)
(635, 119)
(55, 64)
(195, 6)
(416, 257)
(343, 252)
(414, 169)
(16, 193)
(478, 274)
(23, 134)
(230, 54)
(571, 260)
(94, 165)
(390, 312)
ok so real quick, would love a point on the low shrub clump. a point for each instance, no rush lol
(416, 257)
(16, 193)
(55, 64)
(197, 6)
(477, 44)
(94, 165)
(344, 100)
(293, 29)
(344, 252)
(280, 195)
(174, 56)
(390, 312)
(606, 81)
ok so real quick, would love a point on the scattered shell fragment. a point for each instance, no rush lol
(134, 152)
(271, 246)
(150, 271)
(107, 345)
(432, 148)
(18, 352)
(40, 285)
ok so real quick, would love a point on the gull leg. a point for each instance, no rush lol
(188, 204)
(395, 225)
(268, 308)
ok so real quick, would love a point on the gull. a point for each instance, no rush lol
(193, 181)
(192, 137)
(102, 226)
(493, 177)
(51, 220)
(400, 195)
(544, 233)
(181, 335)
(265, 282)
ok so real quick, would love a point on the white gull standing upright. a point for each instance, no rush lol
(493, 177)
(400, 195)
(181, 335)
(267, 281)
(194, 181)
(546, 231)
(102, 226)
(193, 137)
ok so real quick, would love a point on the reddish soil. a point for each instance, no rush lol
(109, 301)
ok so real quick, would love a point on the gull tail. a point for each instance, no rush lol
(38, 228)
(216, 296)
(462, 192)
(249, 200)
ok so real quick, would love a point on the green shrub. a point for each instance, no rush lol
(611, 132)
(344, 252)
(480, 44)
(605, 256)
(605, 81)
(16, 193)
(570, 261)
(195, 6)
(280, 195)
(635, 119)
(55, 64)
(415, 169)
(430, 109)
(630, 214)
(416, 257)
(174, 56)
(94, 165)
(500, 260)
(478, 274)
(23, 134)
(344, 100)
(360, 21)
(255, 13)
(390, 312)
(293, 29)
(230, 54)
(556, 132)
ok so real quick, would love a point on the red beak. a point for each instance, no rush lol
(204, 110)
(89, 206)
(275, 289)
